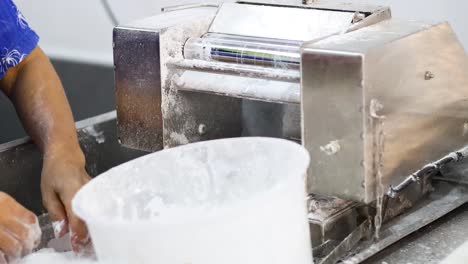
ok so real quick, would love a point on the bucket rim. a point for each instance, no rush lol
(77, 207)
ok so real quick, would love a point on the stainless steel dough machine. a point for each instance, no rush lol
(380, 104)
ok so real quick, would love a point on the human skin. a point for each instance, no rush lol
(39, 98)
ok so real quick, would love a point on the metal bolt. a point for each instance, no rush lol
(202, 129)
(429, 76)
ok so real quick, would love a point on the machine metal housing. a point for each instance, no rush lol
(371, 98)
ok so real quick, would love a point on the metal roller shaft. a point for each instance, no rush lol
(244, 50)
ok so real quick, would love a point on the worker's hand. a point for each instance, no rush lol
(63, 174)
(19, 230)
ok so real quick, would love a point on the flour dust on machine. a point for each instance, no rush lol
(380, 104)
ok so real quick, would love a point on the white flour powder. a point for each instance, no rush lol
(34, 237)
(224, 201)
(49, 256)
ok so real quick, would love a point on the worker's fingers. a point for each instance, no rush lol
(57, 213)
(9, 245)
(78, 231)
(20, 231)
(53, 205)
(65, 178)
(17, 210)
(16, 228)
(29, 235)
(78, 234)
(33, 238)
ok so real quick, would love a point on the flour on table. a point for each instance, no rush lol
(50, 256)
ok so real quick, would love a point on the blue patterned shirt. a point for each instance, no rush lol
(17, 39)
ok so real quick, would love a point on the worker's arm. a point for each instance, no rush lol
(36, 91)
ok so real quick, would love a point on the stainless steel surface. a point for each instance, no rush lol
(375, 16)
(331, 220)
(183, 112)
(384, 112)
(188, 6)
(268, 22)
(363, 231)
(140, 90)
(138, 76)
(428, 170)
(376, 103)
(336, 5)
(244, 50)
(344, 5)
(331, 113)
(21, 161)
(289, 75)
(239, 86)
(429, 245)
(442, 201)
(137, 88)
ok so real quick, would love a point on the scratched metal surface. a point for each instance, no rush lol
(429, 245)
(21, 162)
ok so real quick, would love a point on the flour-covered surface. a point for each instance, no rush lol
(50, 256)
(239, 86)
(459, 256)
(431, 244)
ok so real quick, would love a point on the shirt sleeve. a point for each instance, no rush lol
(17, 39)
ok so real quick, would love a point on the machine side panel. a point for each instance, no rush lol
(332, 123)
(138, 88)
(189, 116)
(413, 108)
(420, 83)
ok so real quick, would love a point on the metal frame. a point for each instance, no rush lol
(21, 161)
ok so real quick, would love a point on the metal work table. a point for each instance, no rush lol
(20, 164)
(430, 244)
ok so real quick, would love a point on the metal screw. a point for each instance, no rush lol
(429, 76)
(361, 135)
(202, 129)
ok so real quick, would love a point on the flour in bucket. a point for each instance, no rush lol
(224, 201)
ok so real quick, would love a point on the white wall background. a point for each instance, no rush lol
(80, 30)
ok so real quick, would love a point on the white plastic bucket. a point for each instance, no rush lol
(230, 201)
